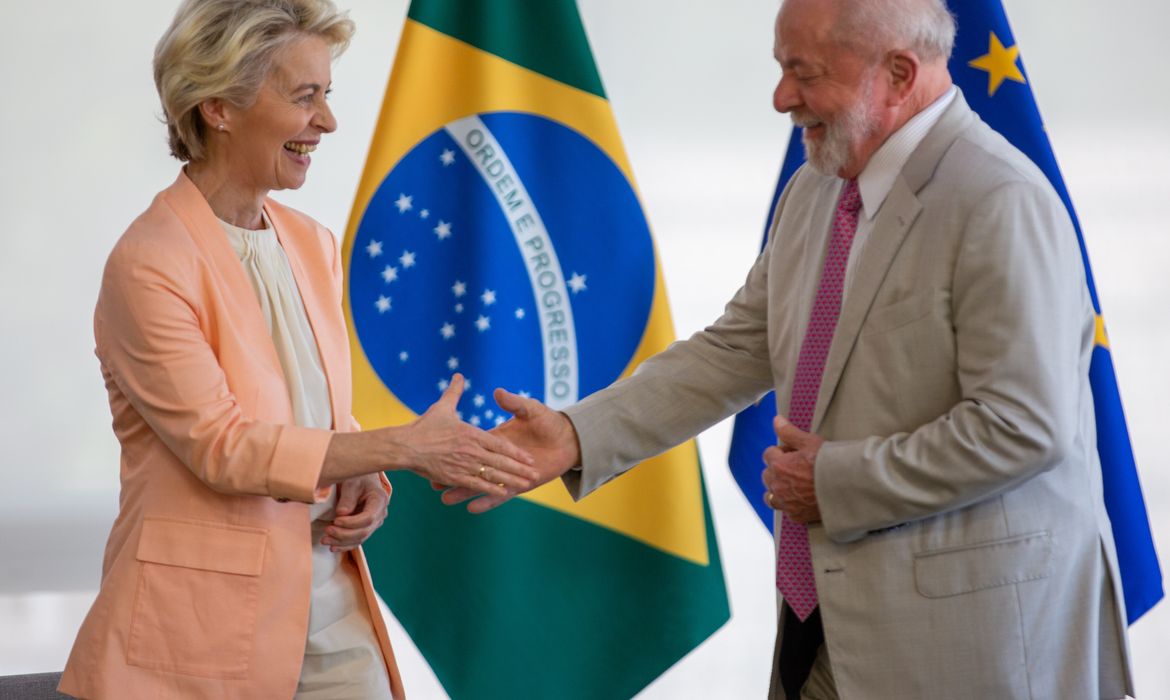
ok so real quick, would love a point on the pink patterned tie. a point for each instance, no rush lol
(794, 572)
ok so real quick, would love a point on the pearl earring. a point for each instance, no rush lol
(221, 126)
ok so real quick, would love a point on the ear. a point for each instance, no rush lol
(902, 71)
(214, 112)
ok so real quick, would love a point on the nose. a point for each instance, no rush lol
(325, 121)
(786, 97)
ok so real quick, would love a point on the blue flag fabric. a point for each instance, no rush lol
(986, 67)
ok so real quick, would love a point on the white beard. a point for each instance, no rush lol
(831, 153)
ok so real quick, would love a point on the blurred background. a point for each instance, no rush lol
(82, 152)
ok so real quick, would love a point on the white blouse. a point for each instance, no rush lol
(342, 656)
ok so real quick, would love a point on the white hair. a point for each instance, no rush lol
(874, 27)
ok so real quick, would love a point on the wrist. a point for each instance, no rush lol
(394, 447)
(572, 440)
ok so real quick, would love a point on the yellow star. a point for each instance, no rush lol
(1000, 64)
(1101, 339)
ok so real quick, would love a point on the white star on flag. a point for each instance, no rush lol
(524, 394)
(452, 362)
(474, 421)
(489, 414)
(519, 313)
(459, 289)
(374, 248)
(447, 331)
(488, 296)
(499, 420)
(404, 203)
(478, 400)
(390, 273)
(407, 259)
(483, 323)
(577, 283)
(447, 157)
(424, 213)
(442, 385)
(403, 356)
(383, 304)
(443, 230)
(459, 308)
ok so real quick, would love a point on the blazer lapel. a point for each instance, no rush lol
(897, 214)
(193, 210)
(314, 292)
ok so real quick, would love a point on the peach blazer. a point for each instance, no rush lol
(206, 577)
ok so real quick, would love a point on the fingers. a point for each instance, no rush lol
(439, 487)
(450, 398)
(505, 448)
(486, 503)
(481, 504)
(789, 435)
(457, 495)
(515, 404)
(499, 478)
(351, 531)
(364, 516)
(347, 497)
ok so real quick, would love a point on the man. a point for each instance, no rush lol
(922, 312)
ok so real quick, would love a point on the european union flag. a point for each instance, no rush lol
(987, 68)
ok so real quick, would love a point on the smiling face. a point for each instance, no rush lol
(272, 139)
(836, 95)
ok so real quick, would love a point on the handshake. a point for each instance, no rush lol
(536, 446)
(539, 444)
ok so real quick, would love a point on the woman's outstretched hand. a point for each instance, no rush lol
(547, 435)
(446, 450)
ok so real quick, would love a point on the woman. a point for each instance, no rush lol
(233, 569)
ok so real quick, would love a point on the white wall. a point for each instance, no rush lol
(82, 153)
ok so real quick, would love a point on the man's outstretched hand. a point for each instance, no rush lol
(545, 434)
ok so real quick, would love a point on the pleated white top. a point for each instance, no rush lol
(342, 657)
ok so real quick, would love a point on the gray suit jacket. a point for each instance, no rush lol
(964, 551)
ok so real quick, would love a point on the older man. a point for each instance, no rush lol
(921, 311)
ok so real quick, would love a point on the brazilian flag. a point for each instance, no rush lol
(497, 232)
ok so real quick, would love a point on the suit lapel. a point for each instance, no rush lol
(314, 292)
(894, 220)
(193, 210)
(897, 214)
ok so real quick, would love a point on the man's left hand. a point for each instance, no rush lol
(361, 509)
(788, 472)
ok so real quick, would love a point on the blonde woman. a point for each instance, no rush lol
(234, 569)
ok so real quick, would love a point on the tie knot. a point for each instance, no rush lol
(850, 200)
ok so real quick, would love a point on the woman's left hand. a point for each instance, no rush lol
(361, 509)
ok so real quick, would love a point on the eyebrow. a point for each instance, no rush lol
(316, 87)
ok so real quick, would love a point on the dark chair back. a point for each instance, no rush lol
(32, 686)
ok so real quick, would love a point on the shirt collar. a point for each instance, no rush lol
(877, 179)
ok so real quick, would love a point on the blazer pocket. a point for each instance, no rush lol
(198, 589)
(954, 571)
(901, 313)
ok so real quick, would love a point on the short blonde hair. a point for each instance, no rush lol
(224, 49)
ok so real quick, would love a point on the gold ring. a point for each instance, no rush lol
(481, 471)
(768, 498)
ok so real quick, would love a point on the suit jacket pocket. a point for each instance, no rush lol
(901, 313)
(195, 607)
(956, 570)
